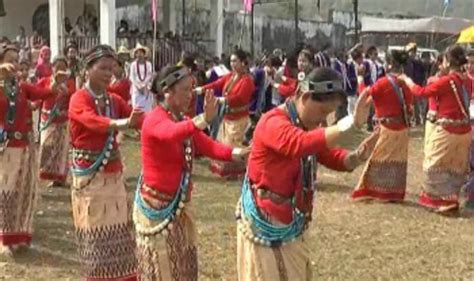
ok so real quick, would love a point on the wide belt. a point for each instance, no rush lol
(432, 116)
(232, 110)
(390, 120)
(18, 136)
(90, 155)
(265, 193)
(157, 199)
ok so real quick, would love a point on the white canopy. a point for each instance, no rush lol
(423, 25)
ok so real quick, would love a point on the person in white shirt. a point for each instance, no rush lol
(141, 74)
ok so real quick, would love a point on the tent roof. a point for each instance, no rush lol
(423, 25)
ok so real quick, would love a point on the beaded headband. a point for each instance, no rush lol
(98, 53)
(323, 87)
(174, 77)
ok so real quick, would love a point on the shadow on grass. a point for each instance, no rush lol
(40, 256)
(334, 188)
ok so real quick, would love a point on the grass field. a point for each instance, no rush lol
(349, 241)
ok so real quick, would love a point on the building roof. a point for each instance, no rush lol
(423, 25)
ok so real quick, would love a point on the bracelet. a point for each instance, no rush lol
(346, 124)
(200, 122)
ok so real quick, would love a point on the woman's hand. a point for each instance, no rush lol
(210, 106)
(362, 108)
(135, 117)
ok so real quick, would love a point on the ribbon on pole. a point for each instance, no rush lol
(248, 5)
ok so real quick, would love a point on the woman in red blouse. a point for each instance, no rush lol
(447, 134)
(166, 234)
(277, 194)
(17, 153)
(237, 88)
(54, 147)
(288, 85)
(385, 174)
(120, 83)
(99, 200)
(43, 67)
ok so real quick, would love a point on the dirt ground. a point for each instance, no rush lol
(349, 241)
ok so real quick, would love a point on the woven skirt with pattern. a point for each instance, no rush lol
(232, 133)
(54, 149)
(18, 187)
(289, 262)
(445, 167)
(385, 173)
(104, 228)
(169, 257)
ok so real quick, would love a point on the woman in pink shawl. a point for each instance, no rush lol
(43, 67)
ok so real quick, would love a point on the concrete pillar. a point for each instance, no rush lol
(219, 11)
(107, 23)
(55, 26)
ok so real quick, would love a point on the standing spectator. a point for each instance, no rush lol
(141, 73)
(78, 29)
(415, 70)
(123, 28)
(67, 25)
(43, 67)
(22, 39)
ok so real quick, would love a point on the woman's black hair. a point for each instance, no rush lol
(156, 87)
(397, 59)
(456, 56)
(370, 50)
(241, 55)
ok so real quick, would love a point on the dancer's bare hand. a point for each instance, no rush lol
(367, 146)
(362, 108)
(135, 117)
(210, 106)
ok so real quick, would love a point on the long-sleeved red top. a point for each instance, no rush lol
(238, 96)
(288, 87)
(163, 153)
(23, 118)
(89, 130)
(274, 162)
(387, 103)
(62, 101)
(121, 88)
(446, 103)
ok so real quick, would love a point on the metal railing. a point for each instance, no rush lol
(168, 51)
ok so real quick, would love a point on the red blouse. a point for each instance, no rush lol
(121, 88)
(63, 102)
(89, 130)
(23, 118)
(162, 149)
(387, 103)
(445, 102)
(288, 87)
(238, 96)
(274, 162)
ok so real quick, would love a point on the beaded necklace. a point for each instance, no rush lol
(103, 158)
(464, 103)
(173, 210)
(139, 73)
(258, 229)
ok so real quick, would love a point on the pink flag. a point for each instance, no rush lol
(154, 9)
(248, 5)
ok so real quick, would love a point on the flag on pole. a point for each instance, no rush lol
(248, 5)
(154, 9)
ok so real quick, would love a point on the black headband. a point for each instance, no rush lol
(174, 77)
(98, 53)
(323, 87)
